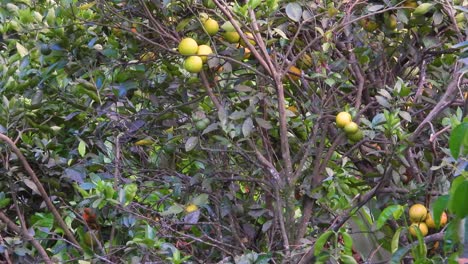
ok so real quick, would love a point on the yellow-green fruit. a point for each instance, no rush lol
(191, 208)
(204, 51)
(90, 240)
(193, 64)
(211, 26)
(422, 9)
(231, 36)
(305, 61)
(188, 46)
(421, 226)
(417, 213)
(391, 21)
(355, 137)
(370, 25)
(351, 128)
(460, 17)
(342, 119)
(251, 39)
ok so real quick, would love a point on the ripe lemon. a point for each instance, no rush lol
(211, 26)
(231, 36)
(430, 221)
(351, 128)
(188, 46)
(342, 119)
(417, 213)
(191, 208)
(421, 226)
(203, 51)
(294, 72)
(251, 39)
(193, 64)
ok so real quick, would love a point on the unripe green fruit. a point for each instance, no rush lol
(356, 136)
(351, 128)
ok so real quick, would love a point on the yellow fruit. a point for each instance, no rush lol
(370, 26)
(351, 128)
(342, 119)
(417, 213)
(193, 64)
(421, 226)
(211, 26)
(90, 240)
(188, 46)
(231, 36)
(431, 223)
(247, 53)
(204, 51)
(251, 39)
(294, 73)
(191, 208)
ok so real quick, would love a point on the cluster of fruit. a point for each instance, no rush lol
(198, 54)
(422, 219)
(345, 121)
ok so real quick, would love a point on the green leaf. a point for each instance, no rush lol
(191, 143)
(348, 243)
(294, 11)
(458, 140)
(396, 240)
(254, 3)
(347, 259)
(173, 209)
(458, 204)
(200, 200)
(22, 51)
(394, 211)
(320, 243)
(439, 207)
(82, 148)
(247, 127)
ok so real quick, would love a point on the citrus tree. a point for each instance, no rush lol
(233, 132)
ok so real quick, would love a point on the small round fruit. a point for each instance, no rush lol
(391, 21)
(188, 46)
(294, 73)
(342, 119)
(193, 64)
(410, 4)
(358, 136)
(202, 124)
(45, 49)
(251, 39)
(211, 26)
(351, 128)
(417, 213)
(421, 226)
(431, 223)
(204, 51)
(191, 208)
(231, 36)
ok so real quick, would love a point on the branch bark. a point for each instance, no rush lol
(41, 190)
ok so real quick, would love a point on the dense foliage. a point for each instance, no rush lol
(242, 162)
